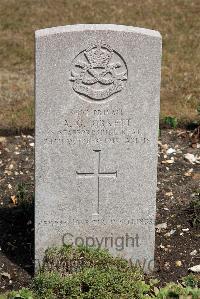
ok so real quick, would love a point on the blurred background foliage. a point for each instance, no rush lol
(177, 20)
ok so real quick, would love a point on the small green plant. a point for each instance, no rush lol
(88, 273)
(21, 193)
(22, 294)
(24, 198)
(91, 283)
(191, 281)
(171, 121)
(69, 259)
(83, 272)
(178, 291)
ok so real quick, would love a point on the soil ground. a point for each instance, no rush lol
(177, 239)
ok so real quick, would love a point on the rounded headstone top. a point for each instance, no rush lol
(97, 27)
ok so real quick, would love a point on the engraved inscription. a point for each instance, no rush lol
(97, 174)
(75, 221)
(93, 127)
(98, 72)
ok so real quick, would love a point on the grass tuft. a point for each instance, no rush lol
(81, 272)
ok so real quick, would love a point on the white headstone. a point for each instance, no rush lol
(97, 116)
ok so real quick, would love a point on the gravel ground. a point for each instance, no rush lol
(177, 238)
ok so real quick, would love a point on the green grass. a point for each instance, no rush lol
(81, 272)
(78, 258)
(177, 20)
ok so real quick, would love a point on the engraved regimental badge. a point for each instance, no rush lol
(98, 72)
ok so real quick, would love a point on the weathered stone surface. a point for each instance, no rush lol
(97, 111)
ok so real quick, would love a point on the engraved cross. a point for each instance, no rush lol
(97, 174)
